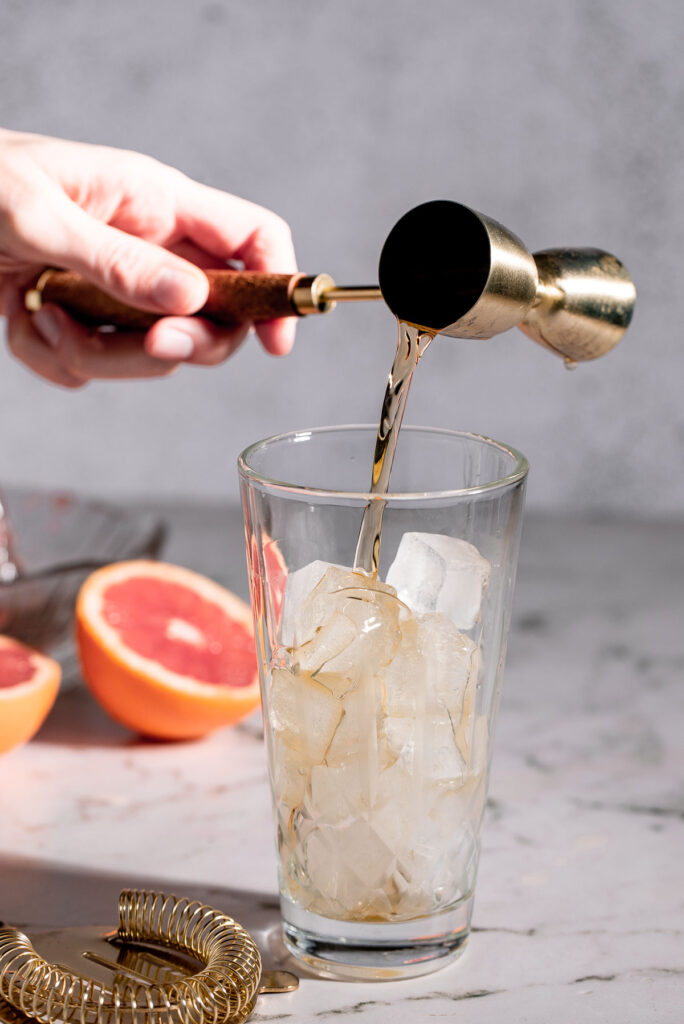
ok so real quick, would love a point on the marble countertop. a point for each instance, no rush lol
(579, 914)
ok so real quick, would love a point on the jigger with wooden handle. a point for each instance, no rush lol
(443, 267)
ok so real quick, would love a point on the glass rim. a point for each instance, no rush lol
(519, 472)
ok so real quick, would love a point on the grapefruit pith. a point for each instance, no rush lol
(166, 651)
(29, 683)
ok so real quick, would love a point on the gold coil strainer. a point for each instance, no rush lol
(171, 961)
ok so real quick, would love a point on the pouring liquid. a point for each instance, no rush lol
(412, 343)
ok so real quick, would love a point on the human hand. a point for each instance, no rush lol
(139, 230)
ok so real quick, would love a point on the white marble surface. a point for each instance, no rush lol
(580, 904)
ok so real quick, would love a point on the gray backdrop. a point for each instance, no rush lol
(563, 121)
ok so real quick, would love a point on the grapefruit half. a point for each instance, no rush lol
(29, 682)
(276, 575)
(166, 651)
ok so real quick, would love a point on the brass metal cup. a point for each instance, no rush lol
(450, 270)
(584, 303)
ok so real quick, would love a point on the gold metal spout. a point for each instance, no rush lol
(353, 293)
(320, 294)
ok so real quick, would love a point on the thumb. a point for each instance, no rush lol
(134, 271)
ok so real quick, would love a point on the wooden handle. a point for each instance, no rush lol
(235, 297)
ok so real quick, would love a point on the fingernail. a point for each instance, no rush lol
(49, 325)
(173, 290)
(172, 344)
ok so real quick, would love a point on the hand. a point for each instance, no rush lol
(139, 230)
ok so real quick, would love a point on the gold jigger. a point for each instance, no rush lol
(452, 271)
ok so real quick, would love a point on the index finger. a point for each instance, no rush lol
(234, 228)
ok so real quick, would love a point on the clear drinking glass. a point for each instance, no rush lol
(380, 694)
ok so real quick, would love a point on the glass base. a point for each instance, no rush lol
(376, 951)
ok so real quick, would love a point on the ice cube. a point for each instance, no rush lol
(324, 599)
(371, 606)
(355, 746)
(437, 864)
(435, 573)
(442, 760)
(290, 765)
(304, 714)
(327, 596)
(427, 748)
(298, 586)
(356, 736)
(448, 657)
(408, 899)
(311, 605)
(336, 793)
(349, 865)
(399, 735)
(404, 678)
(326, 643)
(375, 642)
(338, 685)
(376, 618)
(466, 734)
(398, 803)
(443, 860)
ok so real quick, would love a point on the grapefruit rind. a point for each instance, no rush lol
(25, 706)
(139, 692)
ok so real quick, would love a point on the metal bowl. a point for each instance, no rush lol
(56, 539)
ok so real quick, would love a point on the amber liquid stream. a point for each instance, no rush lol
(412, 343)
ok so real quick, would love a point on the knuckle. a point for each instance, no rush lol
(129, 160)
(280, 227)
(271, 240)
(20, 215)
(119, 265)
